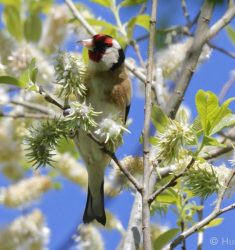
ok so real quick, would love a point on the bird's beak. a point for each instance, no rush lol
(88, 43)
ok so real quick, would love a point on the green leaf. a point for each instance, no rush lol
(223, 112)
(101, 23)
(215, 222)
(12, 81)
(211, 141)
(30, 74)
(12, 20)
(231, 33)
(164, 238)
(11, 2)
(105, 3)
(227, 121)
(36, 7)
(141, 20)
(209, 111)
(159, 118)
(33, 28)
(167, 197)
(126, 3)
(152, 140)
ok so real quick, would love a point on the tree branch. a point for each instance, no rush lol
(32, 106)
(129, 176)
(185, 12)
(147, 118)
(171, 182)
(26, 116)
(223, 21)
(191, 59)
(222, 50)
(215, 213)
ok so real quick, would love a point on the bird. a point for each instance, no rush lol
(109, 91)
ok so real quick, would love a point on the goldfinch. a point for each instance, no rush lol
(108, 91)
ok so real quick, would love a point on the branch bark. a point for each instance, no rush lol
(147, 118)
(191, 59)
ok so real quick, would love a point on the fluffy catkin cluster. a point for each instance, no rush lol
(70, 168)
(110, 132)
(89, 238)
(175, 136)
(70, 74)
(26, 232)
(25, 192)
(20, 58)
(170, 60)
(203, 178)
(81, 116)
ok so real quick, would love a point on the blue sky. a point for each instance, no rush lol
(64, 208)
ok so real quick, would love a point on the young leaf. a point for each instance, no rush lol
(126, 3)
(215, 222)
(11, 2)
(12, 81)
(231, 33)
(227, 121)
(164, 238)
(197, 126)
(11, 18)
(33, 28)
(211, 141)
(141, 20)
(207, 107)
(159, 119)
(223, 112)
(209, 111)
(105, 3)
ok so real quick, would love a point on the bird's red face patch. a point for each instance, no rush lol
(101, 43)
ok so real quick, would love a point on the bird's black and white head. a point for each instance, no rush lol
(105, 53)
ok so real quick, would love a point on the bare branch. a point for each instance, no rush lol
(32, 106)
(201, 233)
(26, 116)
(171, 182)
(50, 99)
(147, 118)
(222, 50)
(227, 87)
(223, 21)
(191, 59)
(185, 12)
(129, 176)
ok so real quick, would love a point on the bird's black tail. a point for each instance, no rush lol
(95, 207)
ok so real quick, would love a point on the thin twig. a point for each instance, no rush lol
(191, 59)
(201, 233)
(26, 116)
(137, 51)
(218, 152)
(129, 176)
(171, 182)
(222, 50)
(215, 213)
(32, 106)
(50, 99)
(185, 12)
(227, 86)
(223, 21)
(147, 118)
